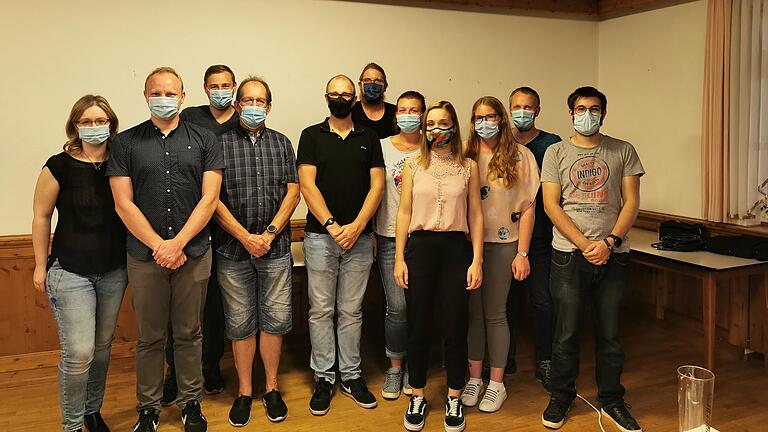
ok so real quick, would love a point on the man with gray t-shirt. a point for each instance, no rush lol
(591, 191)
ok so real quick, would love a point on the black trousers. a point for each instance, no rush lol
(575, 282)
(437, 277)
(213, 328)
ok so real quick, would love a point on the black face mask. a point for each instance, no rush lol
(339, 107)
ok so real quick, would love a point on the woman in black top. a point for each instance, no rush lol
(371, 111)
(84, 276)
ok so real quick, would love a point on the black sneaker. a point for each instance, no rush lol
(358, 391)
(95, 423)
(170, 389)
(193, 418)
(147, 422)
(321, 397)
(275, 406)
(554, 415)
(240, 412)
(415, 414)
(620, 415)
(544, 374)
(454, 415)
(213, 381)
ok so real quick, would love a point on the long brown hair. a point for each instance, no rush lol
(504, 160)
(425, 155)
(74, 145)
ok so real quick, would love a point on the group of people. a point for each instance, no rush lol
(201, 201)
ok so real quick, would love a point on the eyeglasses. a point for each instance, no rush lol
(259, 102)
(92, 123)
(373, 81)
(594, 109)
(345, 96)
(493, 118)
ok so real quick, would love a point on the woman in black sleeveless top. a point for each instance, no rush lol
(84, 276)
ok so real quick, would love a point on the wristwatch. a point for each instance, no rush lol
(607, 243)
(271, 229)
(617, 241)
(329, 222)
(522, 254)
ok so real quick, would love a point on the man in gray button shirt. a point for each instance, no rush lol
(165, 177)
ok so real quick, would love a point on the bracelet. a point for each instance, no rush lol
(607, 243)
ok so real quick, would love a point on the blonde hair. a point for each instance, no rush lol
(504, 160)
(455, 143)
(168, 70)
(74, 145)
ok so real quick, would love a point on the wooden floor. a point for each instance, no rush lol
(29, 402)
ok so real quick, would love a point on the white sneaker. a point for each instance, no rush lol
(472, 391)
(493, 398)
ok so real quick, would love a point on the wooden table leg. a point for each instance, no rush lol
(662, 289)
(709, 301)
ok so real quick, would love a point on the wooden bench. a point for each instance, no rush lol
(706, 266)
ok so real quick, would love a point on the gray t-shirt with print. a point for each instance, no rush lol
(590, 185)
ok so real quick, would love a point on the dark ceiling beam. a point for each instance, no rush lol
(574, 9)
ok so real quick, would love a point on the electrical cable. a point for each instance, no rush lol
(599, 414)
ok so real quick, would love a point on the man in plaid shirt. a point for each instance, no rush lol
(258, 196)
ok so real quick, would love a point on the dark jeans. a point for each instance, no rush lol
(539, 302)
(213, 328)
(575, 283)
(437, 278)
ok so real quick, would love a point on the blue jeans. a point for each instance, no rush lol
(85, 308)
(574, 283)
(256, 294)
(337, 281)
(395, 324)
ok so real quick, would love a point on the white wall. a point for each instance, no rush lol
(652, 71)
(54, 52)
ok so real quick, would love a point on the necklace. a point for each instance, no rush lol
(96, 166)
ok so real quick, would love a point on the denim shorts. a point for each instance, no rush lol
(256, 290)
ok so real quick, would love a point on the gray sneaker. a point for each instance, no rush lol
(392, 384)
(407, 389)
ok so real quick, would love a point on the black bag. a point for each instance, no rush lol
(741, 246)
(680, 236)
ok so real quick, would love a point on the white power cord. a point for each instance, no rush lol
(599, 414)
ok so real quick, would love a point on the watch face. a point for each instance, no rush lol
(271, 229)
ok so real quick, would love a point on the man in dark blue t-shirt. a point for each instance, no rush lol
(524, 107)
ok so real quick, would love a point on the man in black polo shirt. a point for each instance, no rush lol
(165, 178)
(341, 175)
(218, 117)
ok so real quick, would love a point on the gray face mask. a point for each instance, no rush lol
(486, 129)
(94, 135)
(164, 108)
(587, 123)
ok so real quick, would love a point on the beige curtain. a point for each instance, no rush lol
(715, 111)
(748, 149)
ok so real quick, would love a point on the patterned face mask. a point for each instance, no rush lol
(439, 137)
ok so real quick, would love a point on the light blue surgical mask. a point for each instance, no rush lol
(164, 108)
(587, 123)
(486, 129)
(221, 99)
(94, 135)
(253, 116)
(523, 119)
(409, 123)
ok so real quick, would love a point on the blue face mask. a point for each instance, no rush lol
(253, 116)
(373, 92)
(487, 130)
(409, 123)
(523, 119)
(221, 99)
(94, 135)
(164, 108)
(586, 124)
